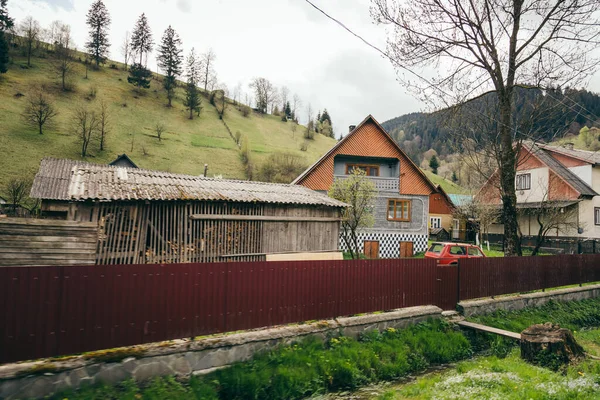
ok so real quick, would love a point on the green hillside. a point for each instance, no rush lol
(448, 186)
(186, 145)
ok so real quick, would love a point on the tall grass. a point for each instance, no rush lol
(309, 367)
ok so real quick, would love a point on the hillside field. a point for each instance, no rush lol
(186, 145)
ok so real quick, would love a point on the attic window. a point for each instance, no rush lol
(524, 182)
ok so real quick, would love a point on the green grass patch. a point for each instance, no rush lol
(308, 367)
(504, 378)
(573, 315)
(448, 186)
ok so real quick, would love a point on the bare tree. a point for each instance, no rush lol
(209, 76)
(358, 192)
(63, 64)
(103, 124)
(492, 46)
(30, 31)
(237, 93)
(85, 127)
(126, 49)
(159, 129)
(296, 105)
(264, 92)
(39, 110)
(552, 218)
(16, 192)
(310, 125)
(294, 129)
(284, 96)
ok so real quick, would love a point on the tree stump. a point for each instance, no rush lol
(550, 346)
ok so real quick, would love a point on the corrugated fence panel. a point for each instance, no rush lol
(58, 310)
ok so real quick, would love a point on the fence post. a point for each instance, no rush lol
(458, 282)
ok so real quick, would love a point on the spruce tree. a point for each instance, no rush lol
(192, 100)
(434, 164)
(454, 177)
(5, 23)
(139, 76)
(141, 38)
(170, 59)
(325, 117)
(98, 21)
(288, 110)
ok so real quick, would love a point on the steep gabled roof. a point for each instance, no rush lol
(349, 142)
(563, 172)
(123, 157)
(590, 157)
(76, 181)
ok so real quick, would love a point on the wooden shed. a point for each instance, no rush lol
(146, 216)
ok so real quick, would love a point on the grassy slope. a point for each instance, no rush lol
(186, 147)
(448, 186)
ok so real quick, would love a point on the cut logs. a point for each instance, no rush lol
(550, 346)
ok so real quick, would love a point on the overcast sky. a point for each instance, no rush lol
(285, 41)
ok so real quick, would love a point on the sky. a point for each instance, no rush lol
(286, 41)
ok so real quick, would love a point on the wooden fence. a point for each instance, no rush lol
(51, 311)
(46, 242)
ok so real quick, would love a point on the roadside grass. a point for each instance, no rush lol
(573, 315)
(504, 378)
(185, 147)
(307, 367)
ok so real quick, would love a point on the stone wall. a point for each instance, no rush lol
(518, 302)
(184, 357)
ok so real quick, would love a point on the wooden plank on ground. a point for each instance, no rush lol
(490, 329)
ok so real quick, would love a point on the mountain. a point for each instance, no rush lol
(185, 147)
(569, 111)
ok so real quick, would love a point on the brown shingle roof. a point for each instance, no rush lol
(61, 180)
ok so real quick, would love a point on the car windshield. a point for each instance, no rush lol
(436, 248)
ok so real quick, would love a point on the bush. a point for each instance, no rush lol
(92, 92)
(281, 168)
(113, 66)
(246, 110)
(304, 146)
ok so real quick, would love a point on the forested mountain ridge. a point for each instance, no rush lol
(572, 109)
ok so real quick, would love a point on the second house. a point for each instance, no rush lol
(405, 195)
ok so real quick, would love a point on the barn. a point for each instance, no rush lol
(146, 216)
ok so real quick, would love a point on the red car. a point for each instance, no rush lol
(450, 253)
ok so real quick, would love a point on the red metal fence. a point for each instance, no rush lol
(486, 277)
(51, 311)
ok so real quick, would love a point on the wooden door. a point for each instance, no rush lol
(406, 249)
(371, 249)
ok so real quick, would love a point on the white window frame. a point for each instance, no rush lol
(523, 181)
(437, 224)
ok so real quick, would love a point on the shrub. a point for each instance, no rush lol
(246, 110)
(113, 66)
(281, 168)
(92, 92)
(304, 146)
(238, 137)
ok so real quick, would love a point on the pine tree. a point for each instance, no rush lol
(98, 21)
(288, 110)
(192, 99)
(139, 76)
(434, 164)
(325, 117)
(6, 23)
(141, 39)
(170, 59)
(319, 116)
(454, 177)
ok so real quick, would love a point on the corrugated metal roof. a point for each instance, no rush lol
(85, 181)
(566, 174)
(461, 200)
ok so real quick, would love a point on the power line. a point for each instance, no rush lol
(394, 61)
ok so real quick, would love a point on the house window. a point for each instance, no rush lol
(524, 182)
(369, 170)
(435, 222)
(597, 215)
(398, 210)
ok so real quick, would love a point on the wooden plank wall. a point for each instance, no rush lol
(43, 242)
(300, 235)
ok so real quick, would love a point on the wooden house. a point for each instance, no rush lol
(405, 196)
(146, 216)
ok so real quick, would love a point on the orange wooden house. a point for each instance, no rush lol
(405, 194)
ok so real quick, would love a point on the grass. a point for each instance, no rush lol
(186, 146)
(308, 367)
(504, 378)
(448, 186)
(573, 315)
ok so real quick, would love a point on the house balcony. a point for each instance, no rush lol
(381, 183)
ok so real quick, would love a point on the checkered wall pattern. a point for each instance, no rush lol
(389, 243)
